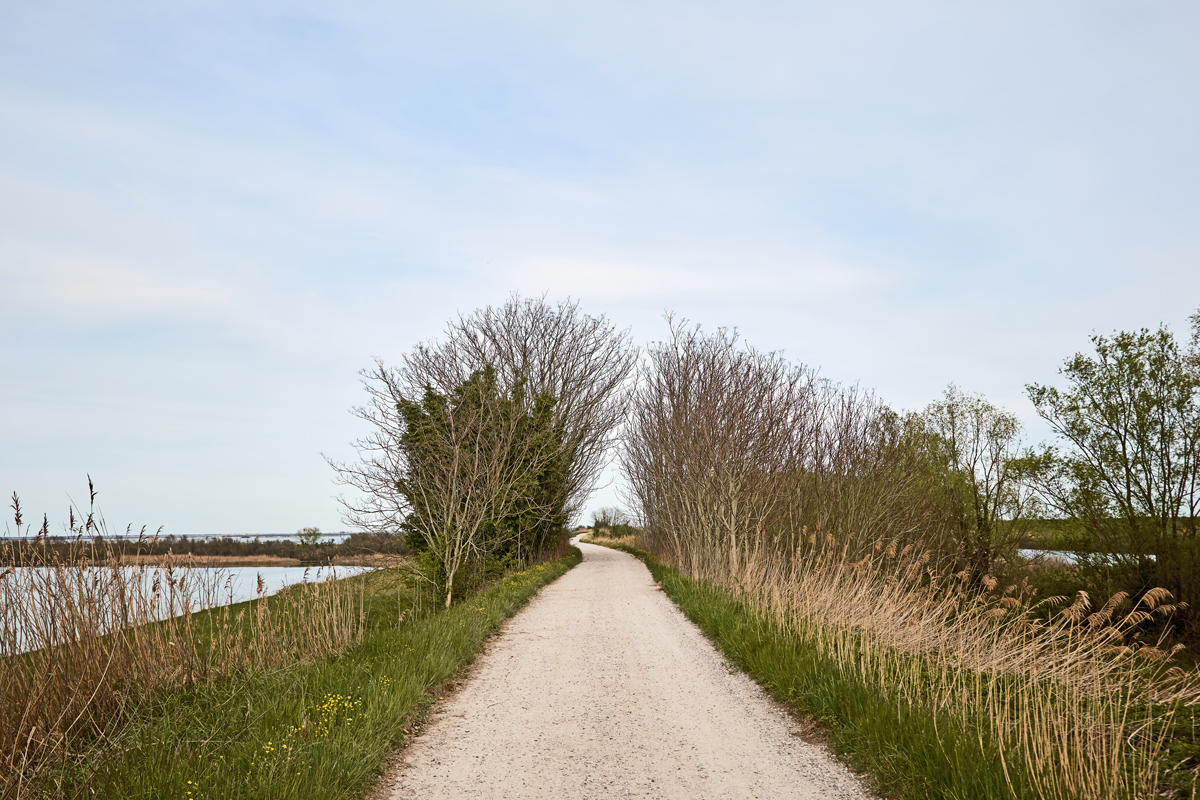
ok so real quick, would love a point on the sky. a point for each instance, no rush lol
(213, 215)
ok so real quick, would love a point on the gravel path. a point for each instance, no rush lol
(601, 688)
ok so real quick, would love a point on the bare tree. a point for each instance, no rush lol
(501, 427)
(446, 467)
(609, 517)
(980, 445)
(712, 443)
(582, 361)
(731, 452)
(866, 478)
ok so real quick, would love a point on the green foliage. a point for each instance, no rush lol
(1182, 752)
(367, 542)
(613, 523)
(484, 480)
(623, 529)
(1129, 466)
(536, 514)
(309, 537)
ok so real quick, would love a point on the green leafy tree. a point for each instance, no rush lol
(582, 361)
(532, 513)
(309, 537)
(468, 474)
(485, 444)
(538, 513)
(1129, 465)
(472, 466)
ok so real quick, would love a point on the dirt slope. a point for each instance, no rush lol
(601, 688)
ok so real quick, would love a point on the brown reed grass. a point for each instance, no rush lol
(604, 536)
(87, 640)
(1062, 690)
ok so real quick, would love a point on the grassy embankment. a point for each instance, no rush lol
(277, 722)
(957, 708)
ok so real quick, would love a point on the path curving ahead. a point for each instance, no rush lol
(601, 688)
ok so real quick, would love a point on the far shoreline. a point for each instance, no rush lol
(378, 560)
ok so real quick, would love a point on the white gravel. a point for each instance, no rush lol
(601, 688)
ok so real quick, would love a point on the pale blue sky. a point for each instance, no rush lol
(212, 215)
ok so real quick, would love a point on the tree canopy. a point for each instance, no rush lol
(485, 444)
(1129, 464)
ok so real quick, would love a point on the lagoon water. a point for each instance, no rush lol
(221, 586)
(1059, 555)
(1050, 555)
(203, 587)
(240, 583)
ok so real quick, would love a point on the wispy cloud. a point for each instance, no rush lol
(219, 211)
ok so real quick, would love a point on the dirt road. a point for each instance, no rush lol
(601, 688)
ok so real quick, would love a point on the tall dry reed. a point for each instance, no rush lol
(87, 641)
(1060, 691)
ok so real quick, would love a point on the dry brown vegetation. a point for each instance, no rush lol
(88, 639)
(1068, 698)
(605, 536)
(816, 504)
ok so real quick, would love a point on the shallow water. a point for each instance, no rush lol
(1059, 555)
(158, 592)
(240, 583)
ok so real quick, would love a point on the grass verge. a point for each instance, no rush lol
(321, 729)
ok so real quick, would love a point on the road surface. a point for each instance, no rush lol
(601, 688)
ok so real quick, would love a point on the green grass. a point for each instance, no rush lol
(311, 730)
(904, 751)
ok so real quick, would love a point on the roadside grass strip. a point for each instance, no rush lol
(906, 749)
(322, 729)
